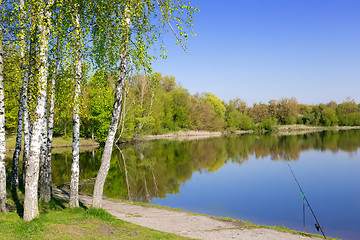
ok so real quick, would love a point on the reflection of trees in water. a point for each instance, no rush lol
(153, 169)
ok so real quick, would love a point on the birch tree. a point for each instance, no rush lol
(45, 192)
(2, 133)
(135, 24)
(45, 161)
(32, 171)
(75, 169)
(105, 159)
(30, 78)
(44, 188)
(23, 92)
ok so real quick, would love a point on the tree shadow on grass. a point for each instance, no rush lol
(18, 204)
(62, 202)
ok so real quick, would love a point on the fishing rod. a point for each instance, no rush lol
(317, 224)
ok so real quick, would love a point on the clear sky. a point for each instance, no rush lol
(260, 50)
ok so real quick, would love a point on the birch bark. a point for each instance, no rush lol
(32, 171)
(15, 162)
(26, 120)
(75, 169)
(47, 191)
(123, 113)
(44, 190)
(105, 159)
(2, 137)
(45, 158)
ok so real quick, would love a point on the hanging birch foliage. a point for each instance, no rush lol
(124, 33)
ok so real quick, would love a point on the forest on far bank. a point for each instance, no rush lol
(158, 105)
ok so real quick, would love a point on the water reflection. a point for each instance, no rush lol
(151, 169)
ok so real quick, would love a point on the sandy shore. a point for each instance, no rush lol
(183, 135)
(184, 223)
(282, 130)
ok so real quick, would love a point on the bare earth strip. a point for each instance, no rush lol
(183, 223)
(296, 129)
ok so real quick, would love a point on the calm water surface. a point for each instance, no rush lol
(244, 177)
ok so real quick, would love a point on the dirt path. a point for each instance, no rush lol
(182, 223)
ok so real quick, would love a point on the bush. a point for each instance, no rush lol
(269, 124)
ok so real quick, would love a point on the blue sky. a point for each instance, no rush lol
(260, 50)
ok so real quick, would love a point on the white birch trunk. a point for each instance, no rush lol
(44, 189)
(105, 159)
(75, 169)
(2, 137)
(15, 162)
(123, 113)
(47, 186)
(26, 120)
(32, 171)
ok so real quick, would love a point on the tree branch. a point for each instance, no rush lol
(173, 30)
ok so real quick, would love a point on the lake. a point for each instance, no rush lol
(244, 177)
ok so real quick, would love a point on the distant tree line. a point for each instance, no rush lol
(159, 105)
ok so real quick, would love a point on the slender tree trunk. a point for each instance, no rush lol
(45, 168)
(26, 137)
(2, 136)
(26, 120)
(105, 160)
(141, 125)
(44, 192)
(15, 162)
(75, 169)
(123, 113)
(32, 171)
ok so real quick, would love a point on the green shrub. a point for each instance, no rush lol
(268, 124)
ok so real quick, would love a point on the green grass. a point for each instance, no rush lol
(76, 223)
(58, 221)
(57, 142)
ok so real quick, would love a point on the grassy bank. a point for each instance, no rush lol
(57, 221)
(58, 142)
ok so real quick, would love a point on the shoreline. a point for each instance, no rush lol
(283, 130)
(189, 224)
